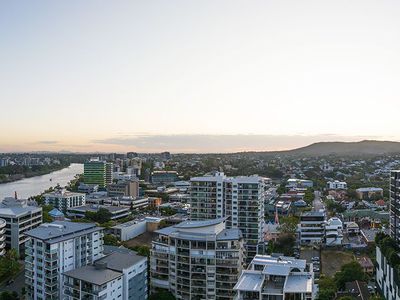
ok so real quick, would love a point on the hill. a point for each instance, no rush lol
(367, 147)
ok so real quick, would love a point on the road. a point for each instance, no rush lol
(17, 285)
(317, 203)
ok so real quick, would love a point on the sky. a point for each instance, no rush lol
(197, 76)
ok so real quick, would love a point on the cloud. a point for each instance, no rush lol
(220, 143)
(47, 142)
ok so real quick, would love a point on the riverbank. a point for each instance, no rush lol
(8, 178)
(29, 187)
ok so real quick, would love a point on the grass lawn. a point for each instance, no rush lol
(332, 261)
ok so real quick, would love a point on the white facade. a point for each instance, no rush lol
(239, 198)
(387, 278)
(337, 185)
(20, 217)
(55, 248)
(63, 199)
(278, 278)
(312, 228)
(197, 260)
(334, 232)
(299, 183)
(119, 275)
(2, 237)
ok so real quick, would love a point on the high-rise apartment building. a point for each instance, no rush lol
(241, 199)
(97, 172)
(387, 274)
(56, 248)
(197, 259)
(19, 217)
(395, 205)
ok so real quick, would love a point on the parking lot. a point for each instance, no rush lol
(312, 255)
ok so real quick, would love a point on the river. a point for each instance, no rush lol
(36, 185)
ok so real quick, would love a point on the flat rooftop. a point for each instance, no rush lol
(61, 230)
(94, 275)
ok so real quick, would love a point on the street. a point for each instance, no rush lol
(317, 203)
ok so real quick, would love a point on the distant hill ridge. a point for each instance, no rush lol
(366, 147)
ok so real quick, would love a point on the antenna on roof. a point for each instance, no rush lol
(15, 195)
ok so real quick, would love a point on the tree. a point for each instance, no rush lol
(111, 240)
(284, 244)
(327, 288)
(349, 272)
(289, 224)
(46, 217)
(101, 216)
(347, 298)
(9, 295)
(9, 265)
(162, 295)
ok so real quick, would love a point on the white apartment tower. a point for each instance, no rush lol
(197, 260)
(55, 248)
(240, 199)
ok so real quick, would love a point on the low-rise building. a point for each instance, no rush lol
(63, 199)
(312, 227)
(197, 259)
(299, 183)
(333, 232)
(132, 203)
(20, 217)
(134, 228)
(164, 177)
(369, 192)
(336, 185)
(117, 212)
(119, 275)
(276, 277)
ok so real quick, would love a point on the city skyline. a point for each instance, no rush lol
(191, 76)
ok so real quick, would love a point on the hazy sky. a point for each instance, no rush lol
(197, 75)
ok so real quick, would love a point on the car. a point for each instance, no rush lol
(316, 269)
(315, 258)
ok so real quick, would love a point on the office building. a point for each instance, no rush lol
(164, 177)
(276, 278)
(116, 212)
(63, 199)
(312, 227)
(241, 199)
(55, 248)
(19, 217)
(124, 188)
(197, 259)
(96, 172)
(119, 275)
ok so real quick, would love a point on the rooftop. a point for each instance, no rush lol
(61, 230)
(251, 282)
(299, 284)
(94, 275)
(118, 261)
(197, 224)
